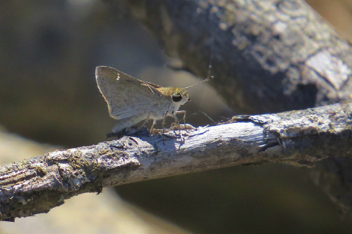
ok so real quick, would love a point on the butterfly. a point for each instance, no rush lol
(131, 100)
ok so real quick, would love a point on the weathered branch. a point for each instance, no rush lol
(266, 55)
(297, 137)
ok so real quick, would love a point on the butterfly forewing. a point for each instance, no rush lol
(120, 90)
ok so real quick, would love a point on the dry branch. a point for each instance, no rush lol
(297, 137)
(266, 55)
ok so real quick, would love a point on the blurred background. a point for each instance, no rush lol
(49, 99)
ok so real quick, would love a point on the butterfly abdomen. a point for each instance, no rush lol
(127, 123)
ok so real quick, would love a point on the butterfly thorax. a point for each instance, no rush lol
(173, 98)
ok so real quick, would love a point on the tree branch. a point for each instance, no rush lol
(297, 137)
(266, 55)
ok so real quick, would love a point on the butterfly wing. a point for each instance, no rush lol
(125, 95)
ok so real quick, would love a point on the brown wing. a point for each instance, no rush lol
(125, 95)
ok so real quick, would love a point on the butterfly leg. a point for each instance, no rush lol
(152, 127)
(177, 124)
(163, 126)
(163, 123)
(184, 118)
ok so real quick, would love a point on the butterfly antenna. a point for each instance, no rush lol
(209, 67)
(207, 79)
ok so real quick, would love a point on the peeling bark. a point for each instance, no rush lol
(297, 137)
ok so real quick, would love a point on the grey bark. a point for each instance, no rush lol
(266, 56)
(297, 137)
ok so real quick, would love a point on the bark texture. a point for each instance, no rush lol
(297, 137)
(266, 56)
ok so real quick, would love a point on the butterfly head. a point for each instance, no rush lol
(177, 95)
(180, 96)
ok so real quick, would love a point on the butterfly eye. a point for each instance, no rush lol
(176, 97)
